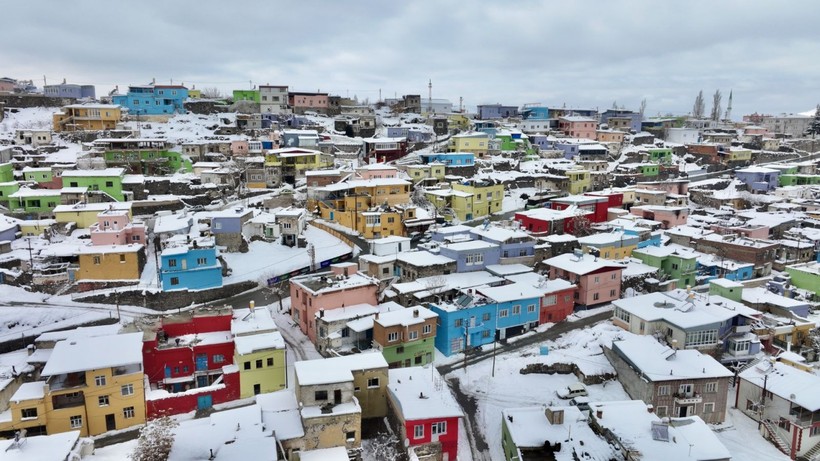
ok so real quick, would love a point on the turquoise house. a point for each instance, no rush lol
(190, 266)
(153, 99)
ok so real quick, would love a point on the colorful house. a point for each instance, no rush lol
(259, 352)
(188, 362)
(677, 265)
(806, 276)
(315, 293)
(86, 215)
(107, 181)
(111, 262)
(153, 99)
(610, 245)
(35, 201)
(44, 177)
(450, 159)
(89, 384)
(292, 163)
(598, 280)
(759, 179)
(114, 227)
(578, 127)
(469, 200)
(406, 337)
(668, 216)
(87, 117)
(148, 156)
(470, 255)
(660, 155)
(190, 266)
(246, 95)
(477, 143)
(579, 181)
(427, 416)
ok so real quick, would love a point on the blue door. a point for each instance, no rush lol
(203, 402)
(167, 372)
(331, 216)
(201, 362)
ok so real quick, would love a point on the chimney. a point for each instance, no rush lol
(321, 313)
(599, 414)
(415, 313)
(650, 408)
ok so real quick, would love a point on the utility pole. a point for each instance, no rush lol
(762, 402)
(117, 296)
(30, 257)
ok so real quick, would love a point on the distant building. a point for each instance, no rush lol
(153, 99)
(69, 90)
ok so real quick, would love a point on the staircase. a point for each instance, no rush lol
(813, 454)
(775, 437)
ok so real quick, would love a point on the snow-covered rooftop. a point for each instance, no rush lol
(336, 369)
(94, 353)
(658, 362)
(421, 393)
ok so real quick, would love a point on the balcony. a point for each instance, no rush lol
(73, 399)
(688, 398)
(66, 381)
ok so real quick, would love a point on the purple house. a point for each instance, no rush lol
(9, 228)
(759, 179)
(470, 255)
(496, 111)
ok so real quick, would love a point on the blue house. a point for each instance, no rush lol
(9, 228)
(190, 266)
(471, 255)
(536, 113)
(153, 99)
(449, 158)
(515, 245)
(759, 179)
(227, 226)
(635, 118)
(712, 267)
(451, 233)
(496, 111)
(482, 315)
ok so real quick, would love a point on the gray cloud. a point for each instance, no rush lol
(584, 54)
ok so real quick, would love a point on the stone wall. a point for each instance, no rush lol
(33, 100)
(167, 300)
(206, 107)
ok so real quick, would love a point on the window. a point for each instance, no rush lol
(663, 390)
(475, 258)
(99, 380)
(550, 300)
(503, 313)
(269, 362)
(76, 422)
(97, 260)
(345, 332)
(661, 411)
(439, 428)
(414, 334)
(486, 317)
(458, 323)
(393, 336)
(28, 413)
(174, 280)
(122, 258)
(246, 365)
(320, 395)
(701, 338)
(708, 407)
(612, 293)
(613, 276)
(485, 334)
(218, 358)
(685, 389)
(595, 296)
(172, 263)
(372, 382)
(710, 387)
(516, 309)
(202, 261)
(127, 389)
(185, 369)
(597, 280)
(350, 435)
(128, 412)
(109, 184)
(427, 329)
(102, 400)
(259, 363)
(622, 315)
(418, 431)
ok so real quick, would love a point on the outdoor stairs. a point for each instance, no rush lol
(775, 437)
(813, 454)
(744, 368)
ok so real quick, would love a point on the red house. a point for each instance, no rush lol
(188, 360)
(426, 413)
(614, 199)
(557, 302)
(597, 205)
(384, 150)
(544, 221)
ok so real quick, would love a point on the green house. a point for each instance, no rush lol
(6, 189)
(41, 201)
(108, 181)
(147, 162)
(6, 172)
(406, 337)
(799, 179)
(670, 262)
(729, 289)
(806, 276)
(661, 155)
(246, 95)
(649, 169)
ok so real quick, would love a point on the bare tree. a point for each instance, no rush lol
(280, 289)
(436, 285)
(643, 107)
(716, 98)
(211, 93)
(156, 440)
(383, 446)
(699, 108)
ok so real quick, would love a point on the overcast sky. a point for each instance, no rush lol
(582, 54)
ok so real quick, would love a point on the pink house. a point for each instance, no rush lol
(301, 102)
(377, 171)
(317, 293)
(114, 227)
(755, 130)
(239, 147)
(671, 186)
(578, 127)
(598, 280)
(668, 216)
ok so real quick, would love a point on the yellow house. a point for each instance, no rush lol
(293, 162)
(194, 94)
(434, 170)
(738, 154)
(579, 181)
(460, 121)
(80, 117)
(477, 143)
(467, 201)
(91, 384)
(111, 262)
(35, 227)
(85, 214)
(611, 245)
(374, 207)
(259, 352)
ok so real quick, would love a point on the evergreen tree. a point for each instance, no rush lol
(814, 128)
(716, 105)
(700, 106)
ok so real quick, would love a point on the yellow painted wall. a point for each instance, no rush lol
(17, 421)
(110, 267)
(579, 181)
(372, 399)
(476, 145)
(271, 378)
(84, 219)
(611, 252)
(477, 207)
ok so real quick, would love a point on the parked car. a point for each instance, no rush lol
(573, 390)
(581, 402)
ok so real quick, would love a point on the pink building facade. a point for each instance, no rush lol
(579, 127)
(598, 280)
(668, 216)
(377, 171)
(312, 295)
(308, 101)
(114, 227)
(240, 148)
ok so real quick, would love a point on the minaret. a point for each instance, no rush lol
(430, 96)
(729, 107)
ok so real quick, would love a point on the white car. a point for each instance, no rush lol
(573, 390)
